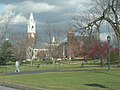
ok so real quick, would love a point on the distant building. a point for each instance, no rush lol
(74, 44)
(42, 54)
(54, 42)
(67, 50)
(70, 49)
(33, 52)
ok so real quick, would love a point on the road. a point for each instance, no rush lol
(6, 88)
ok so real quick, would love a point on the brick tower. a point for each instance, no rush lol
(70, 43)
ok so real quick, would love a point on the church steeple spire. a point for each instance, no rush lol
(31, 16)
(31, 24)
(53, 39)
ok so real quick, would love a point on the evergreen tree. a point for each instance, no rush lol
(113, 56)
(6, 53)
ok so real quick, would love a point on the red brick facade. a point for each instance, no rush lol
(31, 39)
(74, 45)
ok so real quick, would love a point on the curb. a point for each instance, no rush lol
(19, 87)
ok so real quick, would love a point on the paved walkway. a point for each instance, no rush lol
(31, 72)
(6, 88)
(45, 71)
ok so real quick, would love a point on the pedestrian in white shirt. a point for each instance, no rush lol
(17, 66)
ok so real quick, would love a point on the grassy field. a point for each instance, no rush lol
(62, 66)
(91, 77)
(85, 80)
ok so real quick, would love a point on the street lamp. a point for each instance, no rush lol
(101, 54)
(108, 39)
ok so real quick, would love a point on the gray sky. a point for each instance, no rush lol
(58, 12)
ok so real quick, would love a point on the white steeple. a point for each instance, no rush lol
(54, 42)
(31, 24)
(53, 39)
(31, 16)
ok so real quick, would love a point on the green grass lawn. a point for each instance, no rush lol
(99, 80)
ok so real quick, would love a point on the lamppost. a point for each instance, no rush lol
(108, 39)
(101, 54)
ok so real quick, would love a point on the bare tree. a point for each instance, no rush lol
(104, 10)
(51, 30)
(5, 20)
(19, 41)
(88, 21)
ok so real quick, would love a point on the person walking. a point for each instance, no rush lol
(17, 66)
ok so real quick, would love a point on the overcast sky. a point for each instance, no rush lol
(58, 12)
(54, 11)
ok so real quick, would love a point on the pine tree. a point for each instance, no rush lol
(6, 53)
(113, 56)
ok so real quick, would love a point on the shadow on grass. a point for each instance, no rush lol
(96, 85)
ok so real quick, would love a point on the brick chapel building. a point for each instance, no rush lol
(71, 49)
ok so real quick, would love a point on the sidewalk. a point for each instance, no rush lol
(45, 71)
(6, 88)
(30, 72)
